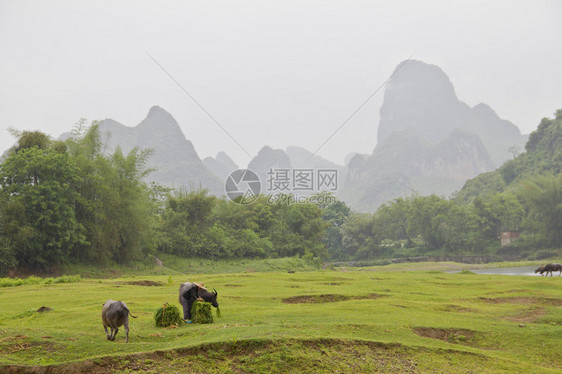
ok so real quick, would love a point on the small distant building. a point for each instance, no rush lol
(508, 237)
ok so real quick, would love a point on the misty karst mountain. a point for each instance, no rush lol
(221, 165)
(174, 158)
(428, 141)
(302, 158)
(421, 99)
(293, 158)
(266, 159)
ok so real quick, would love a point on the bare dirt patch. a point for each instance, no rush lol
(523, 300)
(232, 285)
(13, 338)
(455, 336)
(19, 343)
(528, 316)
(44, 309)
(145, 283)
(327, 298)
(511, 291)
(459, 309)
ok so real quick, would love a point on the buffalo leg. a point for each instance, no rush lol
(126, 324)
(106, 333)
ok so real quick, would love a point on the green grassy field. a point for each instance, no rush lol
(381, 319)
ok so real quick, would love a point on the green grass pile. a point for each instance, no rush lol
(167, 315)
(201, 312)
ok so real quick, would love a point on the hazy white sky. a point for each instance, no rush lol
(272, 73)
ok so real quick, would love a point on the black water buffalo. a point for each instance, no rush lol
(549, 268)
(190, 292)
(115, 314)
(540, 269)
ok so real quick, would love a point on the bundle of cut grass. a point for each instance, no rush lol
(201, 312)
(167, 315)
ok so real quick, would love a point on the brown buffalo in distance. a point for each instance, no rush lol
(549, 268)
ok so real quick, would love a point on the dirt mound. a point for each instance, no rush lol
(327, 298)
(329, 355)
(145, 283)
(281, 356)
(455, 336)
(44, 309)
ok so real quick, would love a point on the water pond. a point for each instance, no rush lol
(519, 270)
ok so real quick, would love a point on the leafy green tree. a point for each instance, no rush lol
(507, 210)
(421, 219)
(543, 202)
(29, 139)
(335, 214)
(456, 230)
(392, 219)
(7, 256)
(299, 229)
(358, 239)
(488, 223)
(40, 185)
(117, 208)
(186, 222)
(127, 211)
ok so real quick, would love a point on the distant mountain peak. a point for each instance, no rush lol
(156, 110)
(303, 158)
(160, 118)
(422, 97)
(221, 165)
(174, 158)
(223, 158)
(484, 109)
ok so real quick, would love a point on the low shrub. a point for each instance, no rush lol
(68, 279)
(13, 282)
(544, 254)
